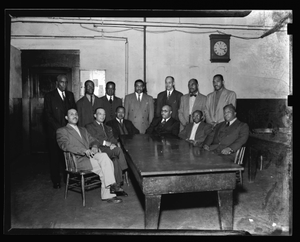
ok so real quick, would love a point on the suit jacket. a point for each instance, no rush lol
(226, 97)
(97, 132)
(174, 102)
(183, 112)
(110, 109)
(114, 124)
(69, 140)
(86, 110)
(139, 113)
(170, 127)
(201, 133)
(56, 109)
(234, 136)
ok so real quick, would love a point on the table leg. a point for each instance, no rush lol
(152, 204)
(225, 209)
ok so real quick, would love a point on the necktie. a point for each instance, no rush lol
(91, 100)
(168, 95)
(110, 100)
(103, 129)
(139, 97)
(193, 95)
(63, 96)
(163, 122)
(227, 124)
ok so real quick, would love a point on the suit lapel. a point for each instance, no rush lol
(74, 133)
(222, 100)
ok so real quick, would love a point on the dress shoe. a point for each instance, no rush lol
(115, 188)
(113, 200)
(123, 193)
(56, 185)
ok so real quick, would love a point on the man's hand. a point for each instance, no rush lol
(112, 146)
(227, 151)
(95, 150)
(89, 153)
(107, 143)
(206, 147)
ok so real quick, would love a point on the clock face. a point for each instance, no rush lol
(220, 48)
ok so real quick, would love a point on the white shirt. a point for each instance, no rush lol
(137, 95)
(108, 97)
(61, 93)
(194, 130)
(119, 120)
(169, 92)
(230, 123)
(165, 119)
(76, 128)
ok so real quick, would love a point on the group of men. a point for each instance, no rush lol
(90, 128)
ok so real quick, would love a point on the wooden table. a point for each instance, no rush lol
(171, 165)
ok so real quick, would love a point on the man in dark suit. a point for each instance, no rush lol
(164, 124)
(197, 131)
(170, 97)
(121, 126)
(87, 105)
(56, 104)
(110, 102)
(108, 144)
(77, 140)
(228, 136)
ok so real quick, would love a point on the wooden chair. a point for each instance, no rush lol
(239, 160)
(79, 180)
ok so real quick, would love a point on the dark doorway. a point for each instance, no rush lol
(40, 69)
(42, 81)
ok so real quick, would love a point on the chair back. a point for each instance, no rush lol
(239, 156)
(70, 161)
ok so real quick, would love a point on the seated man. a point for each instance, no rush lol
(77, 140)
(197, 131)
(229, 135)
(108, 144)
(121, 126)
(164, 124)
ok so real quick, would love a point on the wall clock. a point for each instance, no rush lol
(219, 47)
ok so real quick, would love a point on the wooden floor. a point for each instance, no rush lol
(36, 205)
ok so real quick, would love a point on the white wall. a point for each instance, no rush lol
(258, 68)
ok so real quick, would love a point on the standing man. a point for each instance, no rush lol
(108, 144)
(197, 131)
(165, 124)
(121, 126)
(139, 107)
(56, 104)
(217, 100)
(169, 97)
(190, 102)
(110, 102)
(87, 104)
(78, 141)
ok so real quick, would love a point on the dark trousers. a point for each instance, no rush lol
(119, 161)
(57, 160)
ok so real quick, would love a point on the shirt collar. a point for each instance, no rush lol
(60, 92)
(170, 91)
(231, 122)
(168, 119)
(138, 94)
(88, 96)
(98, 122)
(197, 123)
(119, 120)
(108, 97)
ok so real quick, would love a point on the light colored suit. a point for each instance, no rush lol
(183, 112)
(226, 97)
(139, 113)
(201, 133)
(69, 140)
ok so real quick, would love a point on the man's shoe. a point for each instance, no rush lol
(56, 185)
(123, 193)
(115, 188)
(113, 200)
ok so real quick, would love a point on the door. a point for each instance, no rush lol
(42, 80)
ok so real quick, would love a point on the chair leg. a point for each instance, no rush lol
(126, 178)
(67, 185)
(241, 177)
(83, 190)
